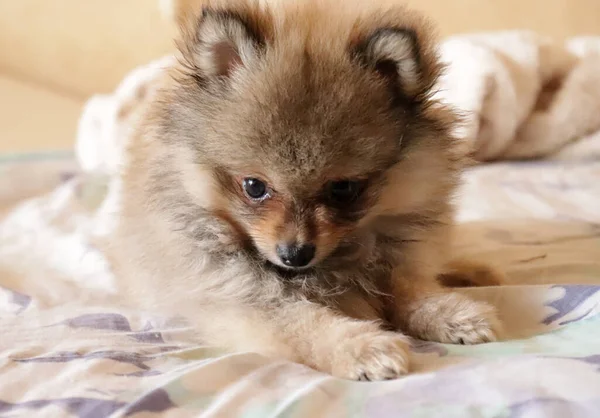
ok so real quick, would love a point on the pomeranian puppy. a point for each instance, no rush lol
(291, 184)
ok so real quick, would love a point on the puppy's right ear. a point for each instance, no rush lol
(402, 57)
(218, 42)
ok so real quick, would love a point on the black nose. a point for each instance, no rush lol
(294, 255)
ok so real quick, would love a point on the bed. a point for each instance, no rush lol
(66, 353)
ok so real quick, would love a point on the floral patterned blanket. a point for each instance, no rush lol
(68, 351)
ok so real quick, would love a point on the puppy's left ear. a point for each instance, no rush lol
(405, 61)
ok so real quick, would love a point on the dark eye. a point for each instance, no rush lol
(255, 189)
(344, 191)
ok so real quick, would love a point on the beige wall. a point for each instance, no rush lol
(557, 18)
(80, 46)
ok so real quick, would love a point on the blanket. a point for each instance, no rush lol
(522, 95)
(69, 347)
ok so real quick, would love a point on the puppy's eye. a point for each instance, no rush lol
(255, 189)
(344, 191)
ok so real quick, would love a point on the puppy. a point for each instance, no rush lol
(290, 187)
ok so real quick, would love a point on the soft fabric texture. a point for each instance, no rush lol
(522, 95)
(69, 347)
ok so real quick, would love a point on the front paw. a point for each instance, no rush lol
(372, 356)
(455, 319)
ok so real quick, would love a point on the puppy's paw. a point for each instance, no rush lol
(455, 319)
(372, 356)
(478, 324)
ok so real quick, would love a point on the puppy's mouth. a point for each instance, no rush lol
(285, 272)
(288, 273)
(344, 253)
(285, 267)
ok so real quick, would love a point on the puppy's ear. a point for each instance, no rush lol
(218, 42)
(398, 56)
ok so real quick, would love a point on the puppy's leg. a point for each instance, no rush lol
(464, 272)
(314, 335)
(426, 310)
(422, 307)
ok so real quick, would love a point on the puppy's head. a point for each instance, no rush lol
(300, 123)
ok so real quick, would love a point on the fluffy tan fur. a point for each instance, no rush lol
(300, 94)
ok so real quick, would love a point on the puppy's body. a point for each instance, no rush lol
(327, 106)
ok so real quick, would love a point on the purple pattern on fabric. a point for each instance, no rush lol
(450, 385)
(156, 401)
(115, 322)
(20, 299)
(135, 359)
(579, 318)
(104, 321)
(81, 407)
(141, 373)
(148, 335)
(574, 296)
(554, 407)
(593, 360)
(398, 405)
(66, 176)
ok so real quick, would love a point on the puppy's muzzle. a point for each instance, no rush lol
(296, 255)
